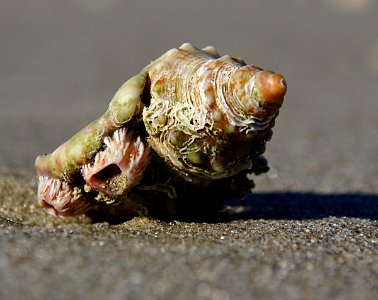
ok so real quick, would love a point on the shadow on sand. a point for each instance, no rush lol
(269, 206)
(300, 206)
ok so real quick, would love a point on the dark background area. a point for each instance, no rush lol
(311, 229)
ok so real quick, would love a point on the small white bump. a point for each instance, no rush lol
(186, 47)
(225, 58)
(211, 50)
(172, 51)
(209, 99)
(217, 115)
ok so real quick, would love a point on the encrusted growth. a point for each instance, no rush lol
(120, 166)
(60, 198)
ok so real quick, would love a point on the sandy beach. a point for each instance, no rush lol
(309, 230)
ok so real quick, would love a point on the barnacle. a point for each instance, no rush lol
(119, 167)
(190, 124)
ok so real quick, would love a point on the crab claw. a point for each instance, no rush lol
(120, 166)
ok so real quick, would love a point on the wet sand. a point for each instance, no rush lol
(311, 228)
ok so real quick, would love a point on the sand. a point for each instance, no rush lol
(310, 230)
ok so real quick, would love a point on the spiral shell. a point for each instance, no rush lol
(191, 123)
(210, 116)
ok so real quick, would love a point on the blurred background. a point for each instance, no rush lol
(62, 61)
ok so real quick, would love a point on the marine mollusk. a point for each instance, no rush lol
(190, 123)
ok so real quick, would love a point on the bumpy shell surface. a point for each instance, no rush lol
(210, 116)
(189, 124)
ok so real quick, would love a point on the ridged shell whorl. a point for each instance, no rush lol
(210, 116)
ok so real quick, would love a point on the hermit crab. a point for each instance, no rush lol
(180, 135)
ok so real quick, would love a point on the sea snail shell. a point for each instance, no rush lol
(190, 118)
